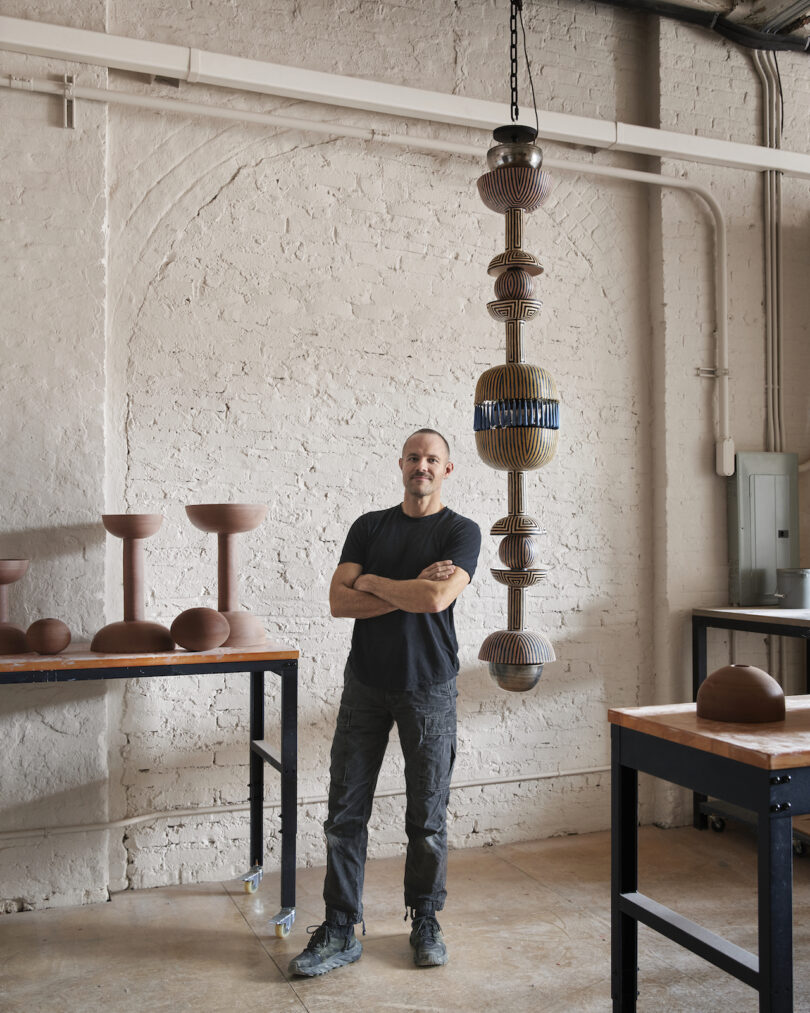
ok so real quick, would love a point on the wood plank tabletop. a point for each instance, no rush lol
(777, 745)
(79, 656)
(764, 614)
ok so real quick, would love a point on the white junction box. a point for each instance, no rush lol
(763, 525)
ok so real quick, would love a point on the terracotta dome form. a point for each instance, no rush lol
(741, 693)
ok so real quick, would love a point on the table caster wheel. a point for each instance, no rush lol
(251, 879)
(717, 823)
(283, 922)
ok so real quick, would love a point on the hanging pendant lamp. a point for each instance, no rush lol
(517, 408)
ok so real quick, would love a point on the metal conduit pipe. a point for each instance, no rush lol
(724, 445)
(227, 810)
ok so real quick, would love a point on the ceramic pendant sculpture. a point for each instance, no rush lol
(516, 404)
(227, 520)
(134, 635)
(12, 638)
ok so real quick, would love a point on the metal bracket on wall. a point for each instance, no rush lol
(710, 372)
(69, 103)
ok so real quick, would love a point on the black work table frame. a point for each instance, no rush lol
(79, 664)
(772, 622)
(774, 794)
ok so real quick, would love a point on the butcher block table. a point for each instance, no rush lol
(764, 768)
(79, 663)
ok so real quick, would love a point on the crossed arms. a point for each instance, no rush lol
(357, 595)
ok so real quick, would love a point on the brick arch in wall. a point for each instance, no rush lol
(360, 407)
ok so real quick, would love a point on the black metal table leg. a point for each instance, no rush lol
(289, 781)
(256, 771)
(699, 664)
(807, 664)
(624, 879)
(775, 871)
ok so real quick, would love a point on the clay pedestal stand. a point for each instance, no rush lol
(134, 634)
(12, 638)
(227, 520)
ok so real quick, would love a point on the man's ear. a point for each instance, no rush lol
(448, 468)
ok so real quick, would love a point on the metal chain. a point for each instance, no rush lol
(513, 54)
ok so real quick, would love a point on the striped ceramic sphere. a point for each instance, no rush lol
(514, 284)
(514, 186)
(519, 552)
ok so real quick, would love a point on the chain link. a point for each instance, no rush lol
(513, 54)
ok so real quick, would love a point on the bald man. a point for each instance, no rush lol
(399, 575)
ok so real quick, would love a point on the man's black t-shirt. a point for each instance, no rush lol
(406, 650)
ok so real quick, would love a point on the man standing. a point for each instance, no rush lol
(399, 574)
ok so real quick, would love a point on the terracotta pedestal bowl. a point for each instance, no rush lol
(134, 635)
(227, 520)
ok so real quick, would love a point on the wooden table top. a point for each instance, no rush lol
(777, 745)
(763, 614)
(78, 656)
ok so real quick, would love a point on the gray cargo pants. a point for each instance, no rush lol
(426, 722)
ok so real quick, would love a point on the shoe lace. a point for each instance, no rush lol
(319, 934)
(425, 927)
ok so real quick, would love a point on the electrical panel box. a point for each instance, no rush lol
(763, 525)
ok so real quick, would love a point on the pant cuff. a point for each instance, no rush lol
(343, 919)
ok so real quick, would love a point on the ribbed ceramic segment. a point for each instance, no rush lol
(510, 449)
(516, 647)
(515, 380)
(519, 578)
(513, 220)
(515, 607)
(514, 340)
(514, 186)
(516, 492)
(514, 284)
(514, 309)
(514, 258)
(518, 551)
(517, 412)
(520, 523)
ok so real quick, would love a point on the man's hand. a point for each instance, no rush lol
(442, 570)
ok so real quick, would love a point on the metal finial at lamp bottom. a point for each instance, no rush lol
(516, 405)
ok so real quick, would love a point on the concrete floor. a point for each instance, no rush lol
(527, 927)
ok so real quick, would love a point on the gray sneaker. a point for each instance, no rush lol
(427, 942)
(327, 949)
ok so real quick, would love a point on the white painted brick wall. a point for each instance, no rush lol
(281, 310)
(52, 280)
